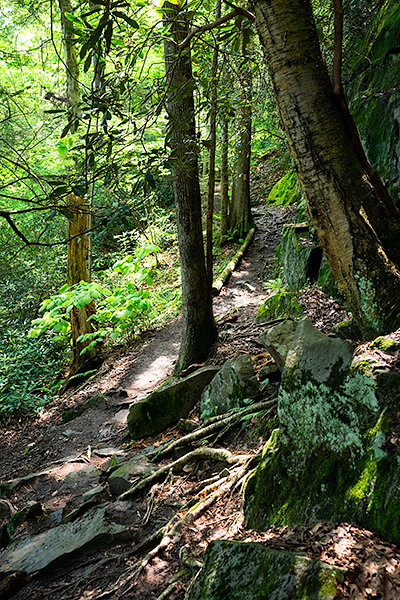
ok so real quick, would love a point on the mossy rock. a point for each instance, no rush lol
(363, 489)
(250, 571)
(286, 190)
(233, 387)
(169, 403)
(373, 92)
(385, 344)
(334, 458)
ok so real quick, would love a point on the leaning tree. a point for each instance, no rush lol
(356, 222)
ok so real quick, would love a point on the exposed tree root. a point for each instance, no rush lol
(213, 425)
(198, 454)
(187, 515)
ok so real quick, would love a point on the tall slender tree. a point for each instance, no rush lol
(240, 219)
(78, 224)
(198, 325)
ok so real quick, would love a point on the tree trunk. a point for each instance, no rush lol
(357, 230)
(71, 64)
(240, 219)
(198, 326)
(223, 224)
(211, 161)
(77, 229)
(79, 225)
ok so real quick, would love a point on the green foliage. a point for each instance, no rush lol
(122, 308)
(282, 302)
(30, 373)
(286, 191)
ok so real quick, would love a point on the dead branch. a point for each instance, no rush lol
(227, 272)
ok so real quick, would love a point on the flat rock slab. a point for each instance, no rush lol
(168, 404)
(250, 571)
(89, 475)
(63, 544)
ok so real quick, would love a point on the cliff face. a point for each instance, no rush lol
(373, 88)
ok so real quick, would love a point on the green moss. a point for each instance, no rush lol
(362, 489)
(385, 344)
(332, 417)
(363, 486)
(286, 190)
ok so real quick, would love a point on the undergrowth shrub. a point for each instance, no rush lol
(30, 373)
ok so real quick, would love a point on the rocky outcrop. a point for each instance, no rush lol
(250, 571)
(336, 455)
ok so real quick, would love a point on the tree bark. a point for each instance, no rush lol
(223, 224)
(77, 271)
(198, 325)
(211, 160)
(79, 225)
(357, 230)
(240, 219)
(71, 65)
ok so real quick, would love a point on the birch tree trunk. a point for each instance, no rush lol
(198, 326)
(359, 233)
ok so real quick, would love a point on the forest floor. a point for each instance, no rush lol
(52, 449)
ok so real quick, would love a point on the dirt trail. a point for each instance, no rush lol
(35, 446)
(100, 432)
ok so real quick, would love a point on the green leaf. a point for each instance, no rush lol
(126, 18)
(108, 36)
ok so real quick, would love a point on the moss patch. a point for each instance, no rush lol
(362, 489)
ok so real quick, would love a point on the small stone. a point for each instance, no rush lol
(233, 387)
(98, 494)
(278, 341)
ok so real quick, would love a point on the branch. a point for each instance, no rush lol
(6, 215)
(234, 13)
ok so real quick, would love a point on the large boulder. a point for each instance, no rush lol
(337, 454)
(168, 404)
(232, 388)
(250, 571)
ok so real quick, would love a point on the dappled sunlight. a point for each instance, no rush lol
(153, 372)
